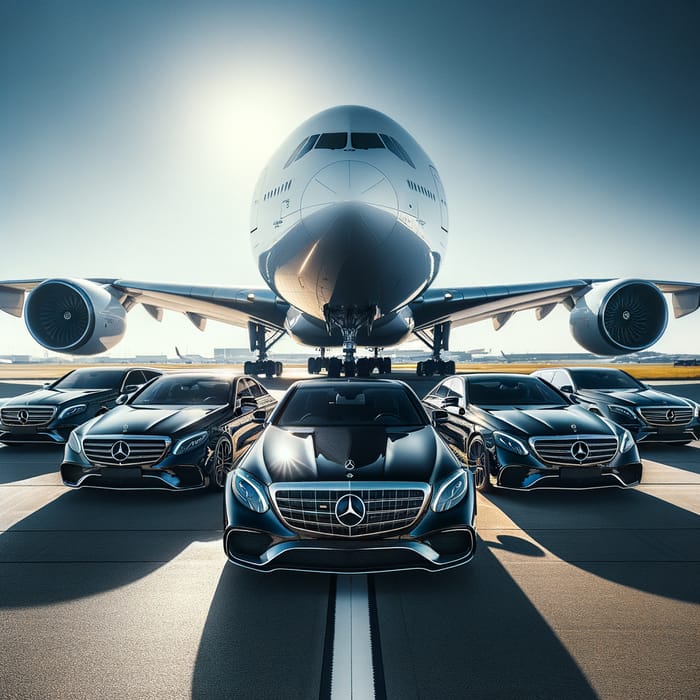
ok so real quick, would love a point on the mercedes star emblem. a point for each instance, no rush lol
(350, 510)
(349, 464)
(120, 451)
(670, 415)
(579, 451)
(23, 416)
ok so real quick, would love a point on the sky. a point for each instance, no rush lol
(566, 135)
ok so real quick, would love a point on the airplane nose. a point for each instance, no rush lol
(352, 182)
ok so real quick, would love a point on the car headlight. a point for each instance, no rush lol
(510, 443)
(72, 410)
(74, 442)
(190, 442)
(249, 492)
(696, 412)
(451, 492)
(627, 442)
(623, 412)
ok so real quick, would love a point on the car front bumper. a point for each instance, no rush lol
(437, 541)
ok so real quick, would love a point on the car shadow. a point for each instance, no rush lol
(89, 541)
(470, 632)
(263, 637)
(20, 462)
(686, 457)
(628, 537)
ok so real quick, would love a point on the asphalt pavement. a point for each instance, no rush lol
(129, 595)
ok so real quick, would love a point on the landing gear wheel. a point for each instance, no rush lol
(385, 365)
(364, 367)
(278, 369)
(220, 460)
(349, 368)
(478, 461)
(334, 367)
(247, 367)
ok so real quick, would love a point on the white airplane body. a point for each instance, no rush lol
(349, 226)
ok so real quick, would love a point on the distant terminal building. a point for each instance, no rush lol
(231, 354)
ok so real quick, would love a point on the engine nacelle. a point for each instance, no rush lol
(74, 316)
(619, 317)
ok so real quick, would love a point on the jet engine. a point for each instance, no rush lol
(619, 317)
(74, 316)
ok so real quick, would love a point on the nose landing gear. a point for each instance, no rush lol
(438, 339)
(261, 340)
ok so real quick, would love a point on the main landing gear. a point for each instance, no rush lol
(261, 340)
(360, 367)
(438, 339)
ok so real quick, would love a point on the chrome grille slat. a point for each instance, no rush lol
(557, 451)
(666, 415)
(312, 508)
(36, 415)
(143, 452)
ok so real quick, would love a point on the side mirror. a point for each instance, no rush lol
(246, 405)
(122, 399)
(46, 385)
(567, 389)
(131, 388)
(259, 416)
(440, 417)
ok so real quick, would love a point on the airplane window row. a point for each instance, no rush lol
(358, 141)
(423, 190)
(277, 190)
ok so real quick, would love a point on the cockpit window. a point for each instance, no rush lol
(333, 141)
(397, 149)
(364, 141)
(302, 149)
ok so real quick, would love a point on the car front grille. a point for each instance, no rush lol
(667, 415)
(576, 451)
(27, 415)
(126, 451)
(315, 508)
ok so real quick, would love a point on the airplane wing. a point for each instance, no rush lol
(234, 305)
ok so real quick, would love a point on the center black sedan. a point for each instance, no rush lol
(48, 415)
(181, 432)
(517, 432)
(349, 476)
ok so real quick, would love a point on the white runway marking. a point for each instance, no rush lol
(353, 673)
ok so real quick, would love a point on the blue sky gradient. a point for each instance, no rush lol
(566, 133)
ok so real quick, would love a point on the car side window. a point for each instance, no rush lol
(134, 378)
(561, 378)
(547, 375)
(454, 388)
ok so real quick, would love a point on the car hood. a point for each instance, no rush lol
(323, 454)
(54, 397)
(144, 420)
(632, 397)
(550, 421)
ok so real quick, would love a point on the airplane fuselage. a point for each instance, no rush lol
(349, 225)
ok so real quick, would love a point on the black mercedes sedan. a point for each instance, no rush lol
(48, 415)
(349, 476)
(181, 432)
(650, 415)
(517, 432)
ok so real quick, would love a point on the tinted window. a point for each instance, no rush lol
(91, 379)
(333, 141)
(349, 405)
(185, 391)
(364, 141)
(604, 379)
(306, 147)
(512, 391)
(134, 378)
(397, 149)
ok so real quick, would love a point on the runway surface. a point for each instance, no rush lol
(129, 595)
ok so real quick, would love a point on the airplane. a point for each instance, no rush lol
(349, 227)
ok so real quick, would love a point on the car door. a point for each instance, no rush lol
(249, 397)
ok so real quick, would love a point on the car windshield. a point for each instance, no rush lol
(350, 405)
(604, 379)
(512, 391)
(185, 391)
(90, 379)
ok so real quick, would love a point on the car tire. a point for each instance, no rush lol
(220, 461)
(478, 461)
